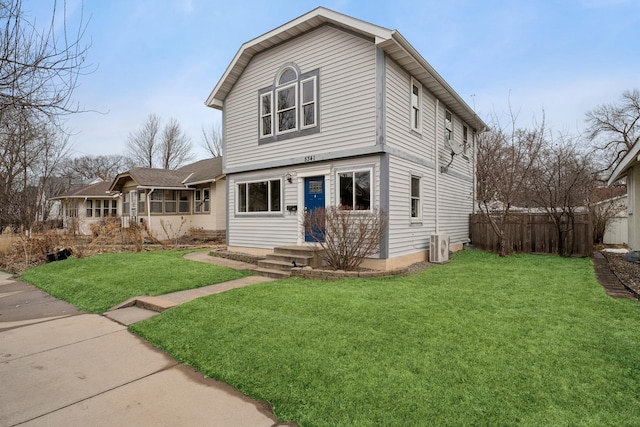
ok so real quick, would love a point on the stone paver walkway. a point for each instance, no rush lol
(609, 281)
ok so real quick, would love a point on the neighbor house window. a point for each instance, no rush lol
(72, 208)
(290, 106)
(101, 208)
(355, 190)
(416, 102)
(261, 196)
(170, 201)
(155, 202)
(184, 204)
(416, 211)
(142, 197)
(202, 201)
(448, 126)
(126, 203)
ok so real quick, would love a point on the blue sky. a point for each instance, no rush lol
(165, 56)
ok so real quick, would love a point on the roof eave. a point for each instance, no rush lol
(317, 17)
(630, 159)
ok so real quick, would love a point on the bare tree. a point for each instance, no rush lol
(175, 146)
(505, 168)
(142, 144)
(150, 146)
(347, 236)
(561, 186)
(614, 128)
(39, 67)
(212, 140)
(89, 167)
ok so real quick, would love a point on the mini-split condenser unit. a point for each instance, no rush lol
(439, 248)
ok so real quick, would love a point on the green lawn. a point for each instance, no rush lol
(483, 341)
(97, 283)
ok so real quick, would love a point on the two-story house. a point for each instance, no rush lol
(329, 110)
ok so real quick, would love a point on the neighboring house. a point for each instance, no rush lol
(329, 110)
(629, 168)
(173, 202)
(87, 205)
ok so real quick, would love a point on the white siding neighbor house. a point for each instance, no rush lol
(629, 167)
(328, 110)
(172, 203)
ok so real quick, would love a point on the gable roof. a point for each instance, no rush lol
(390, 41)
(628, 161)
(100, 189)
(203, 171)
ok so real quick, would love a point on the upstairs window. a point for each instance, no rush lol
(290, 106)
(448, 126)
(416, 102)
(465, 139)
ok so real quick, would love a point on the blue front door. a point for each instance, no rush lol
(314, 199)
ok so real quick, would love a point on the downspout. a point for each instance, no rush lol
(437, 162)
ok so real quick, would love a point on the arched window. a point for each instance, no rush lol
(286, 97)
(290, 105)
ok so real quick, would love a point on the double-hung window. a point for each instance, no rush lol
(201, 204)
(416, 210)
(259, 196)
(416, 103)
(448, 126)
(266, 116)
(465, 139)
(355, 190)
(290, 106)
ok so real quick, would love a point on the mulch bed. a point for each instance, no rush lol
(628, 273)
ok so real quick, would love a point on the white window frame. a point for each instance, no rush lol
(416, 106)
(353, 171)
(313, 101)
(448, 125)
(264, 115)
(412, 197)
(278, 111)
(465, 139)
(269, 194)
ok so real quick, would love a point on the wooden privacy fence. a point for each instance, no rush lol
(534, 233)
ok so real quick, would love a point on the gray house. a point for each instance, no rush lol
(328, 110)
(629, 168)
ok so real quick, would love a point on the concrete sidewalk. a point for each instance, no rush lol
(63, 367)
(87, 370)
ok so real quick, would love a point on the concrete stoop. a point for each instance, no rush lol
(279, 263)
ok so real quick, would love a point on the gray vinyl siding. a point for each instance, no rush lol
(266, 230)
(346, 98)
(407, 236)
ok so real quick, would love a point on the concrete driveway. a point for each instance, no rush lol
(68, 368)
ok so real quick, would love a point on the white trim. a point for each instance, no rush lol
(295, 109)
(254, 213)
(415, 105)
(625, 163)
(314, 102)
(309, 173)
(262, 115)
(417, 218)
(355, 170)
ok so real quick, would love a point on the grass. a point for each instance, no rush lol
(483, 340)
(99, 282)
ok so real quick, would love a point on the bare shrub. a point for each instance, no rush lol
(347, 236)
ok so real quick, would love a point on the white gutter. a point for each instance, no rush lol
(437, 161)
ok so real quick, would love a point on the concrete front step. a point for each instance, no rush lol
(276, 264)
(274, 274)
(310, 255)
